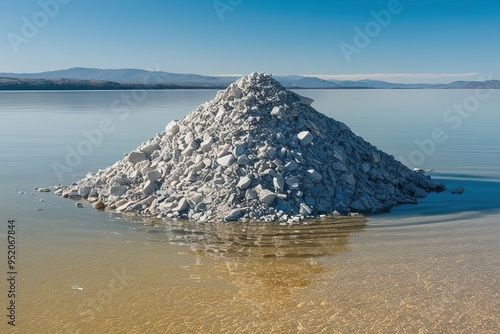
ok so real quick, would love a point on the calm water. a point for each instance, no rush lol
(431, 268)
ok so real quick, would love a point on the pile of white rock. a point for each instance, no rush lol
(256, 151)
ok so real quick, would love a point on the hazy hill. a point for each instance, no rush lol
(94, 78)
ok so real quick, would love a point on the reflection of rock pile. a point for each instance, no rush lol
(255, 151)
(318, 237)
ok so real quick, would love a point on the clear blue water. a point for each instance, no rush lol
(449, 240)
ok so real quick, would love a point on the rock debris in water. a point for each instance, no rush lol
(256, 151)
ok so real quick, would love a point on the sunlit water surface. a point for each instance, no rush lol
(431, 268)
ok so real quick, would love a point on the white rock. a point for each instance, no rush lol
(226, 160)
(118, 190)
(121, 179)
(136, 156)
(244, 182)
(206, 145)
(279, 183)
(235, 214)
(278, 112)
(149, 149)
(84, 191)
(305, 209)
(172, 128)
(149, 187)
(183, 205)
(267, 196)
(153, 175)
(305, 138)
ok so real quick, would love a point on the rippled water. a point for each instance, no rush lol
(430, 268)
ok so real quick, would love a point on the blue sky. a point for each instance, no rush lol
(424, 41)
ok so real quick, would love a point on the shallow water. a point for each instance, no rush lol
(430, 268)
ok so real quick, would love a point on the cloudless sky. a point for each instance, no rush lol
(438, 40)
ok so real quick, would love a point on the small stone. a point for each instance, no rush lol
(235, 214)
(365, 167)
(267, 196)
(226, 160)
(99, 206)
(279, 183)
(305, 138)
(305, 209)
(136, 156)
(293, 182)
(239, 149)
(172, 128)
(458, 190)
(153, 175)
(84, 191)
(244, 182)
(118, 190)
(278, 112)
(271, 152)
(250, 194)
(149, 187)
(349, 179)
(339, 166)
(182, 205)
(200, 207)
(243, 160)
(206, 145)
(149, 149)
(72, 194)
(291, 165)
(121, 179)
(314, 175)
(305, 100)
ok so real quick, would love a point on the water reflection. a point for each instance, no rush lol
(266, 263)
(325, 236)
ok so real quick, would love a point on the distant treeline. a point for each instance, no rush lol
(72, 84)
(7, 83)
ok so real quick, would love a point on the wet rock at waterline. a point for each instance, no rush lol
(256, 151)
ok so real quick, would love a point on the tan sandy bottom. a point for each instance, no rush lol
(328, 277)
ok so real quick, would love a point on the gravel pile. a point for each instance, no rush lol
(256, 151)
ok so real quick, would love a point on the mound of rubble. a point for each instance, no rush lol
(256, 151)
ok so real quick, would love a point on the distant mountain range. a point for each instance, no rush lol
(93, 78)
